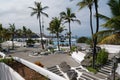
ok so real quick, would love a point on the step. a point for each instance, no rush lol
(91, 76)
(101, 75)
(110, 66)
(81, 78)
(52, 67)
(86, 77)
(106, 70)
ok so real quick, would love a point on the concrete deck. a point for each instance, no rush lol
(47, 61)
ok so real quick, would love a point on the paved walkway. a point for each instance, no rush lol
(47, 61)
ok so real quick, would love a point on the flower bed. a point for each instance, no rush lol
(24, 71)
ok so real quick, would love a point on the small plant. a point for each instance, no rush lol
(92, 70)
(39, 64)
(73, 48)
(7, 60)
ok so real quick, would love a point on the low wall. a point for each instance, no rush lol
(78, 56)
(111, 48)
(40, 70)
(7, 73)
(2, 54)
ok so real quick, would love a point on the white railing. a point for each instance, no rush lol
(7, 73)
(40, 70)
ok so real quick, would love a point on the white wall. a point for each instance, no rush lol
(7, 73)
(40, 70)
(118, 69)
(78, 56)
(111, 48)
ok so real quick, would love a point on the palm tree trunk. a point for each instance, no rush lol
(91, 21)
(12, 42)
(41, 33)
(70, 36)
(58, 41)
(97, 29)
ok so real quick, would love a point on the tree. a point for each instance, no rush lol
(112, 33)
(55, 27)
(12, 31)
(24, 31)
(69, 17)
(1, 33)
(82, 39)
(38, 9)
(29, 33)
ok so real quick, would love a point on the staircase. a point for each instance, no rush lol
(55, 70)
(103, 74)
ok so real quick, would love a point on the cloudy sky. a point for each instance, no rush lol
(17, 11)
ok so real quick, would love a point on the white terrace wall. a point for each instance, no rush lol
(111, 48)
(40, 70)
(7, 73)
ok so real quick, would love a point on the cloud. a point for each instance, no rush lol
(17, 11)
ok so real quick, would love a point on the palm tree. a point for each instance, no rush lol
(38, 9)
(89, 4)
(29, 33)
(97, 29)
(55, 27)
(24, 30)
(1, 33)
(69, 17)
(112, 34)
(12, 31)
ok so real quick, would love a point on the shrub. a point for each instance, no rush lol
(102, 57)
(73, 48)
(7, 60)
(82, 40)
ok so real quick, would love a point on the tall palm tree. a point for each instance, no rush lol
(97, 29)
(12, 31)
(89, 4)
(112, 34)
(55, 27)
(38, 9)
(69, 17)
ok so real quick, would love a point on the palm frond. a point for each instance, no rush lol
(45, 14)
(81, 4)
(113, 23)
(44, 8)
(76, 20)
(114, 7)
(103, 17)
(33, 13)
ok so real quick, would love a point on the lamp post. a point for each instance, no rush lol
(114, 66)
